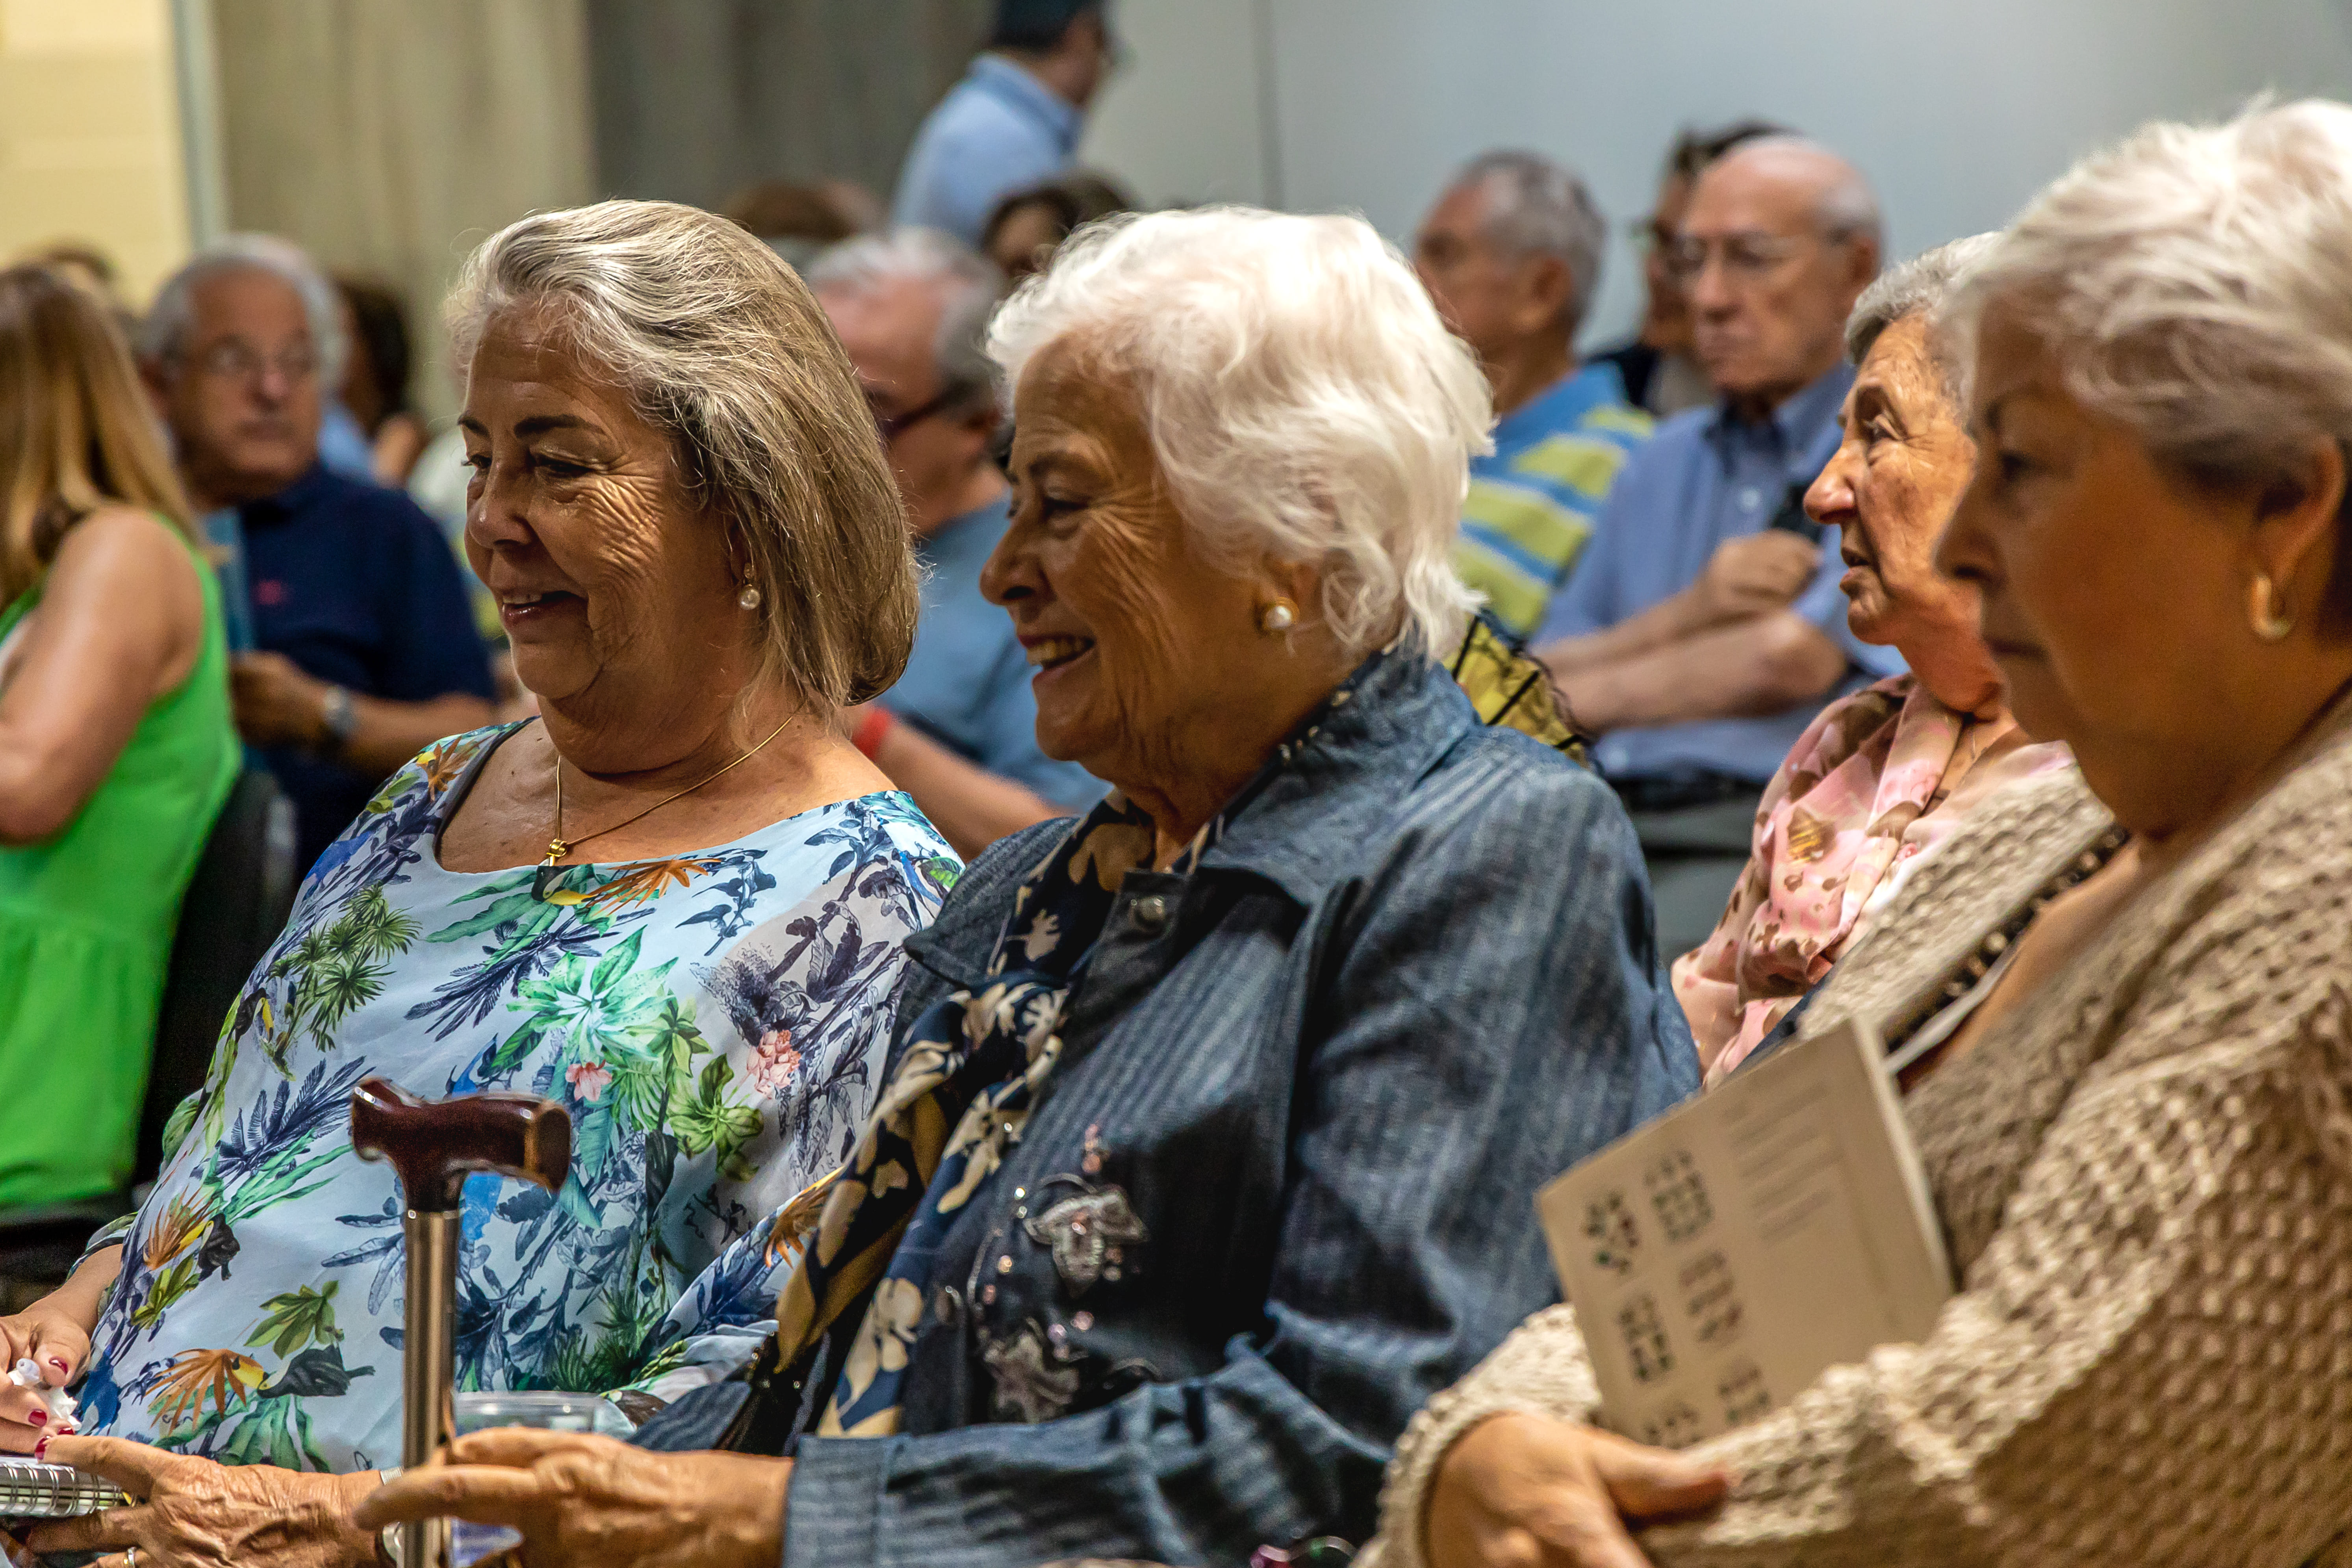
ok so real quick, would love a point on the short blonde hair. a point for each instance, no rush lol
(75, 430)
(720, 345)
(1302, 397)
(2195, 283)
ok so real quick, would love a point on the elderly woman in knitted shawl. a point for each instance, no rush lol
(2136, 1129)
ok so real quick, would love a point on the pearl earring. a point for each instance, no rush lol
(1278, 617)
(749, 595)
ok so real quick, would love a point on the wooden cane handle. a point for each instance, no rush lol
(434, 1145)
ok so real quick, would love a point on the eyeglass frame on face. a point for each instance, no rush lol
(890, 427)
(1748, 256)
(233, 359)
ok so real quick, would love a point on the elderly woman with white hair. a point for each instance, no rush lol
(674, 900)
(2137, 1127)
(1205, 1151)
(1883, 776)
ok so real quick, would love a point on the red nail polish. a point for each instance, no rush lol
(59, 1363)
(37, 1418)
(41, 1449)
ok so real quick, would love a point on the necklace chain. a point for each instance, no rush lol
(559, 847)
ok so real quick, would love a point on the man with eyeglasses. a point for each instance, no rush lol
(1511, 255)
(959, 731)
(1013, 120)
(1704, 627)
(1659, 364)
(363, 650)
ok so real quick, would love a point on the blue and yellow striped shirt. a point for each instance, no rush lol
(1532, 502)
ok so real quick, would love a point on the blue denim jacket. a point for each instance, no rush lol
(1278, 1191)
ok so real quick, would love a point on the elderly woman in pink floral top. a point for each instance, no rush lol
(1886, 775)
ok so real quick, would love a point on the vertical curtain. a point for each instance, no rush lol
(697, 99)
(388, 137)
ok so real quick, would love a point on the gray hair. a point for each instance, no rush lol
(1536, 207)
(1847, 208)
(163, 331)
(720, 345)
(2194, 282)
(968, 284)
(1302, 397)
(1918, 287)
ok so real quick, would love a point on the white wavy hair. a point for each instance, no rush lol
(1301, 395)
(2195, 282)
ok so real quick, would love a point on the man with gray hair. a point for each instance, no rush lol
(365, 649)
(1704, 628)
(1511, 254)
(911, 308)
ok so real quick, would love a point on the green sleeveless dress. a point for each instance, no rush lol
(86, 924)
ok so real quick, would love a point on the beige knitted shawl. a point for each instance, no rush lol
(2146, 1177)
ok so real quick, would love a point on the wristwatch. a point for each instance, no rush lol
(337, 719)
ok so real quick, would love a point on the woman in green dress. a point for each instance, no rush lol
(116, 745)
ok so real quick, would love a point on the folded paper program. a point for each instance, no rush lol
(60, 1403)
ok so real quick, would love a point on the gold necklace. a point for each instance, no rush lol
(559, 847)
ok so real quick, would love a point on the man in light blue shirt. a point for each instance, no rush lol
(1704, 627)
(912, 309)
(1012, 121)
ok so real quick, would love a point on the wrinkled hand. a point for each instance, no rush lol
(1527, 1492)
(598, 1503)
(52, 1332)
(277, 704)
(1756, 575)
(199, 1514)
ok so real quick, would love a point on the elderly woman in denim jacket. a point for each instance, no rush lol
(1211, 1120)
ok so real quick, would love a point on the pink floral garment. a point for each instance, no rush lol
(1861, 797)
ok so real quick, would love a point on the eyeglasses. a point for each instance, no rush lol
(890, 427)
(236, 359)
(1747, 259)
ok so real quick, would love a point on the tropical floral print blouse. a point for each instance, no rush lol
(715, 1022)
(1875, 782)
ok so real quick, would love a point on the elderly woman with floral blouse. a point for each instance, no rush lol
(1885, 775)
(2125, 985)
(1207, 1146)
(674, 902)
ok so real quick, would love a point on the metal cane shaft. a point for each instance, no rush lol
(428, 1369)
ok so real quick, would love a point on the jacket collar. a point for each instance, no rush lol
(1322, 795)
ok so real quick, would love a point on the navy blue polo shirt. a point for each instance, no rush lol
(356, 585)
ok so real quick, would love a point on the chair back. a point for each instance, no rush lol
(236, 905)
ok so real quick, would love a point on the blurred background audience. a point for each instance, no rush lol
(1029, 224)
(116, 749)
(363, 648)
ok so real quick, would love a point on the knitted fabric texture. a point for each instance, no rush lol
(2146, 1179)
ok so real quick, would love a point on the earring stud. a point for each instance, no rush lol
(749, 595)
(1278, 617)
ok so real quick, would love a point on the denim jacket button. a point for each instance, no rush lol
(1150, 913)
(949, 1306)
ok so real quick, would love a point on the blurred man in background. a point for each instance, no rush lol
(1014, 119)
(1700, 664)
(912, 309)
(366, 652)
(1660, 365)
(1511, 254)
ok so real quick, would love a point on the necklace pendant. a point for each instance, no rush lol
(556, 850)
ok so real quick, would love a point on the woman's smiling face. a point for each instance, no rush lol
(612, 584)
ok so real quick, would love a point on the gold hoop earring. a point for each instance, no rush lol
(1278, 617)
(2270, 623)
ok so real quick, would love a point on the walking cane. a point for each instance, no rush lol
(432, 1146)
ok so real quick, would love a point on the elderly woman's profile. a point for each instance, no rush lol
(673, 902)
(1207, 1135)
(2125, 983)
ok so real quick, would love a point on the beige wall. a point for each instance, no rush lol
(89, 134)
(388, 137)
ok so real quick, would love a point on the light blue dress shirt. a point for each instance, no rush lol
(998, 129)
(967, 682)
(1703, 478)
